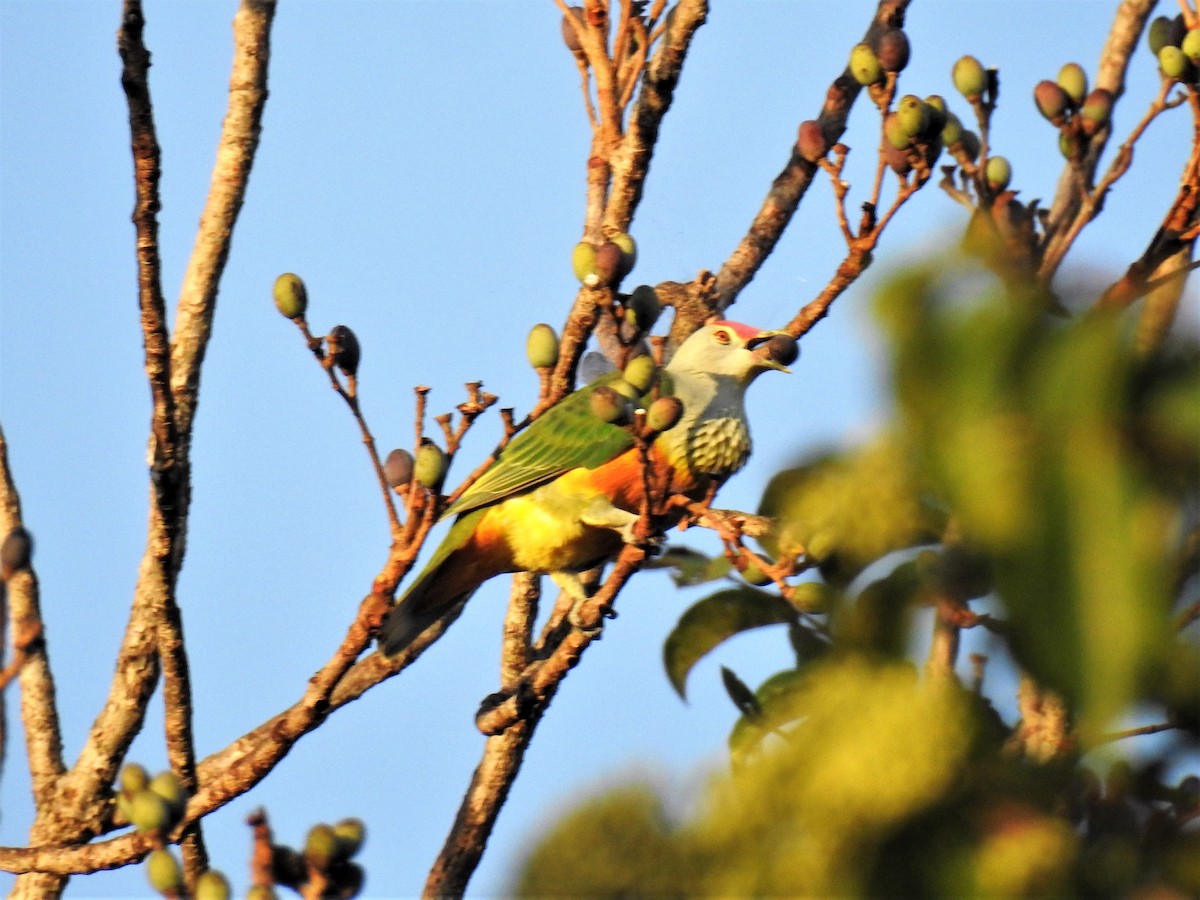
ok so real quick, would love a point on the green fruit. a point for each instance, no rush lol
(16, 551)
(344, 349)
(609, 406)
(628, 253)
(164, 872)
(664, 414)
(1191, 45)
(291, 297)
(970, 79)
(896, 133)
(134, 778)
(571, 35)
(1097, 108)
(1160, 33)
(755, 575)
(1073, 80)
(952, 131)
(542, 346)
(321, 846)
(642, 308)
(893, 50)
(350, 834)
(583, 260)
(626, 390)
(1069, 145)
(430, 466)
(261, 892)
(150, 814)
(641, 372)
(811, 143)
(813, 596)
(1051, 100)
(168, 786)
(212, 885)
(998, 173)
(1172, 61)
(911, 114)
(398, 468)
(865, 66)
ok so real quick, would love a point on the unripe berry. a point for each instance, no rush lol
(609, 406)
(212, 885)
(344, 349)
(149, 813)
(1191, 45)
(398, 468)
(430, 466)
(168, 786)
(1161, 33)
(664, 413)
(291, 297)
(893, 50)
(134, 778)
(998, 173)
(1070, 145)
(970, 79)
(910, 112)
(895, 132)
(541, 347)
(1096, 109)
(261, 892)
(583, 260)
(936, 115)
(1172, 62)
(641, 372)
(970, 144)
(952, 131)
(813, 596)
(865, 66)
(1052, 101)
(753, 574)
(628, 253)
(811, 143)
(320, 847)
(1073, 80)
(164, 872)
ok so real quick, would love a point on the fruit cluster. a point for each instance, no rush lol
(604, 265)
(1069, 106)
(1177, 48)
(324, 864)
(166, 876)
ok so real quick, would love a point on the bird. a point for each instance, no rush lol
(564, 495)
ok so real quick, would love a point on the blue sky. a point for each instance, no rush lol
(422, 168)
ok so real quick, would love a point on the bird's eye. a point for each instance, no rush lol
(721, 336)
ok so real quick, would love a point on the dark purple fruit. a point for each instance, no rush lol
(1052, 101)
(398, 468)
(344, 349)
(893, 50)
(664, 413)
(642, 307)
(608, 262)
(571, 35)
(16, 551)
(811, 143)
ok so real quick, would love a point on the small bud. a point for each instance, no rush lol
(998, 173)
(609, 406)
(865, 66)
(344, 349)
(608, 263)
(541, 347)
(811, 143)
(150, 814)
(628, 253)
(570, 35)
(164, 872)
(642, 307)
(583, 260)
(893, 50)
(398, 468)
(641, 372)
(1073, 80)
(168, 786)
(320, 847)
(350, 834)
(1172, 62)
(16, 551)
(430, 466)
(134, 778)
(1051, 100)
(970, 79)
(291, 297)
(664, 414)
(212, 885)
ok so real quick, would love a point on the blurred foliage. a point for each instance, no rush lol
(1047, 464)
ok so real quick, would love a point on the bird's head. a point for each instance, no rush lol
(734, 350)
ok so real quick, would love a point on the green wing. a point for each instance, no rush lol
(566, 437)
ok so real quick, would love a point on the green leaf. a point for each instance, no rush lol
(691, 567)
(714, 619)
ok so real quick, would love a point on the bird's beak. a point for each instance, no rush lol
(774, 350)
